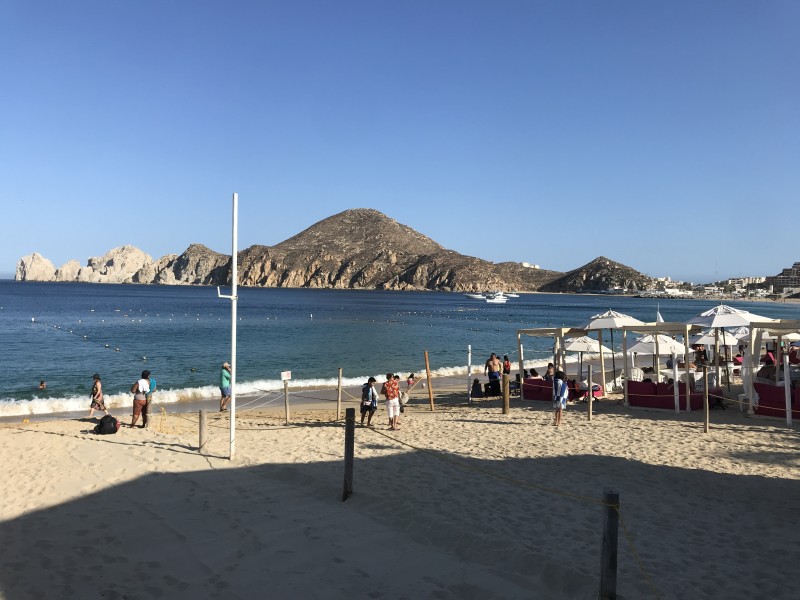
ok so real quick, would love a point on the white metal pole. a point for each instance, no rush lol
(469, 372)
(234, 298)
(676, 387)
(787, 390)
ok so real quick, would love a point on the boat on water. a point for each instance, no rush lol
(476, 296)
(497, 298)
(512, 295)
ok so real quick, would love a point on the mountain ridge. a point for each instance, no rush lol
(356, 249)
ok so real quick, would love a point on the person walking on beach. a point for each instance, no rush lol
(369, 401)
(140, 389)
(506, 365)
(97, 396)
(560, 395)
(149, 396)
(391, 390)
(224, 386)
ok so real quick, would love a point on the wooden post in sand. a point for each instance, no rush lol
(591, 392)
(430, 387)
(286, 399)
(705, 398)
(349, 451)
(201, 445)
(339, 396)
(506, 394)
(608, 555)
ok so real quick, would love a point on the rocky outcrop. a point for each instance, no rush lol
(117, 266)
(197, 266)
(599, 275)
(35, 267)
(360, 248)
(68, 271)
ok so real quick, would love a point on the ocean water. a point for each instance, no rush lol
(65, 332)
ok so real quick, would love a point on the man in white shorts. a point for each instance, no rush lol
(391, 389)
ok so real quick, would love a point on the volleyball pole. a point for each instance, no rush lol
(233, 298)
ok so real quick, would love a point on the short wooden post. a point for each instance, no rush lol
(591, 392)
(608, 555)
(430, 387)
(286, 399)
(201, 445)
(349, 451)
(506, 394)
(705, 398)
(339, 396)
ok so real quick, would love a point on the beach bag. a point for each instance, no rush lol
(365, 399)
(403, 400)
(107, 425)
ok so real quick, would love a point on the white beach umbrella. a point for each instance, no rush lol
(708, 337)
(647, 345)
(725, 316)
(583, 344)
(612, 320)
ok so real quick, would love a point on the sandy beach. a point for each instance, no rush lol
(463, 502)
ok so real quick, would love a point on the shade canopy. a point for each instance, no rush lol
(584, 344)
(708, 338)
(647, 345)
(612, 319)
(725, 316)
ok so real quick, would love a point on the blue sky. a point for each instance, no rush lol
(663, 135)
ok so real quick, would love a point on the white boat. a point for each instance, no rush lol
(497, 298)
(476, 296)
(512, 295)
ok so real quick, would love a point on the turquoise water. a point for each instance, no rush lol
(65, 332)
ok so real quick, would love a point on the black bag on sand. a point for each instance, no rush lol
(107, 424)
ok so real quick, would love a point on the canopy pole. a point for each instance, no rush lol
(686, 363)
(602, 362)
(676, 384)
(625, 365)
(787, 390)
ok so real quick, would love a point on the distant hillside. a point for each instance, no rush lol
(355, 249)
(599, 275)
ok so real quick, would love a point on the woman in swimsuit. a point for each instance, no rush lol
(97, 397)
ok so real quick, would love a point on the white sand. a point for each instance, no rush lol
(466, 515)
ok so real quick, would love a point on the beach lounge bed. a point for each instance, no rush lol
(772, 400)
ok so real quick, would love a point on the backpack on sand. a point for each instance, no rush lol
(107, 424)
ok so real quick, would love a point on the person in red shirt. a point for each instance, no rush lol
(391, 390)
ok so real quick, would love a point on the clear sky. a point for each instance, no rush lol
(664, 135)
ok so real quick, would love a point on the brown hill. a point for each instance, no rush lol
(599, 275)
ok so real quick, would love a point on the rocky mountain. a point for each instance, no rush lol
(355, 249)
(598, 275)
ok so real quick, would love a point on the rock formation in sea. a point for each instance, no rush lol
(35, 267)
(355, 249)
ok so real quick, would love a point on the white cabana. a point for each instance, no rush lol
(611, 320)
(759, 330)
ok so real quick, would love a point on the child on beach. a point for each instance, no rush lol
(560, 395)
(369, 401)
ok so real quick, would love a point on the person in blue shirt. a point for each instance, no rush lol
(560, 395)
